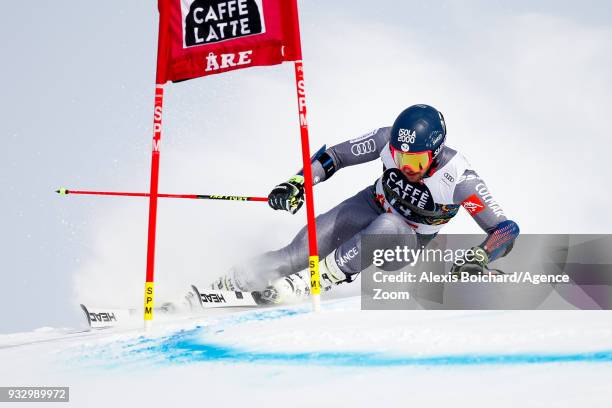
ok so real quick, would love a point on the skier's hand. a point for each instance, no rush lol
(473, 262)
(288, 196)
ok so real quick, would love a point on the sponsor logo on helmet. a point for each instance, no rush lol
(483, 191)
(435, 154)
(365, 147)
(473, 205)
(406, 136)
(437, 139)
(405, 147)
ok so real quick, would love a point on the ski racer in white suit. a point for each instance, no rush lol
(423, 186)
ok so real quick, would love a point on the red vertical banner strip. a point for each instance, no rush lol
(292, 50)
(160, 80)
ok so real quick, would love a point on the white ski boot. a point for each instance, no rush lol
(296, 287)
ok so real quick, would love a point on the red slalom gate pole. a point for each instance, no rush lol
(160, 80)
(65, 191)
(313, 252)
(153, 195)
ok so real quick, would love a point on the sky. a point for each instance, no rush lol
(524, 87)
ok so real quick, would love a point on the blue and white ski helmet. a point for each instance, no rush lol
(419, 128)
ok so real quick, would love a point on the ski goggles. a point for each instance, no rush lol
(415, 162)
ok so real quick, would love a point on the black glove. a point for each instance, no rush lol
(473, 262)
(288, 196)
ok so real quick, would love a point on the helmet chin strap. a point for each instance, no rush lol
(434, 164)
(432, 169)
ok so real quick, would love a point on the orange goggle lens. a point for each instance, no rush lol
(415, 162)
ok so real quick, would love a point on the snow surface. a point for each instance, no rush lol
(288, 355)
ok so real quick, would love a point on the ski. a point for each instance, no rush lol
(195, 300)
(101, 318)
(218, 298)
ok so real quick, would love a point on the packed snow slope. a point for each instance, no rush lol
(288, 355)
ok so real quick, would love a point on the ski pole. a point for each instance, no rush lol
(65, 191)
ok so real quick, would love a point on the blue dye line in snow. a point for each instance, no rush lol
(186, 347)
(190, 346)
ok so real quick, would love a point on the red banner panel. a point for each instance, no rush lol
(206, 37)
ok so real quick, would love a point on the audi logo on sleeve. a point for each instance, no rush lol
(364, 147)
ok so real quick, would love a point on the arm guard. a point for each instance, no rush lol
(355, 151)
(499, 242)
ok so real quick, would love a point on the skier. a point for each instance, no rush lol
(423, 186)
